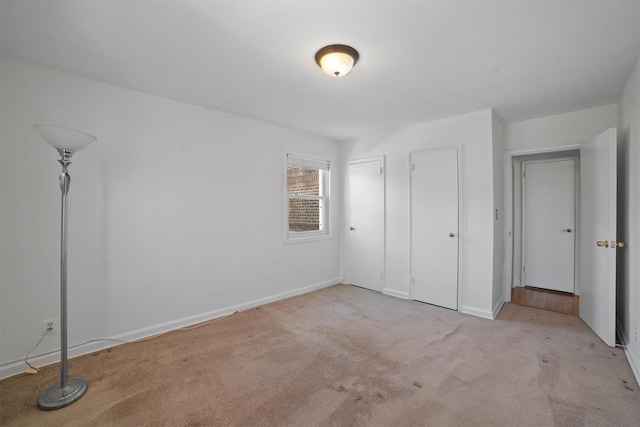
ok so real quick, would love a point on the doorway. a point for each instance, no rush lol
(545, 212)
(596, 239)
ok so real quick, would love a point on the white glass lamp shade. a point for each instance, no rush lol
(62, 138)
(336, 64)
(337, 60)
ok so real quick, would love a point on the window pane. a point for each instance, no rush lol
(304, 215)
(302, 180)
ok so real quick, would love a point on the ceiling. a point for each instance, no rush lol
(419, 60)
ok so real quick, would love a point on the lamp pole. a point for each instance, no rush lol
(67, 390)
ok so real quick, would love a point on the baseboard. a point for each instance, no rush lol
(635, 364)
(305, 290)
(497, 308)
(16, 367)
(397, 294)
(486, 314)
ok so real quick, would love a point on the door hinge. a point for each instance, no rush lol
(524, 269)
(524, 174)
(413, 167)
(381, 169)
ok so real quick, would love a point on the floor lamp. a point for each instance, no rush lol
(66, 141)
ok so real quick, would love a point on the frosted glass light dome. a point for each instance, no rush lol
(336, 64)
(337, 60)
(63, 138)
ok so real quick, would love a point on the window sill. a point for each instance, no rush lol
(289, 239)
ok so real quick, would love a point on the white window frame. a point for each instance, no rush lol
(322, 163)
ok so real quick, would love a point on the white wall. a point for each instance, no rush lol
(628, 295)
(175, 213)
(560, 129)
(472, 132)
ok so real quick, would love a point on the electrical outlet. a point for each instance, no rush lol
(50, 326)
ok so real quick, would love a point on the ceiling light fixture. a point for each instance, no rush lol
(337, 59)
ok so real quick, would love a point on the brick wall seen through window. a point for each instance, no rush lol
(304, 215)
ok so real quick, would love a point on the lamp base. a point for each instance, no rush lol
(55, 397)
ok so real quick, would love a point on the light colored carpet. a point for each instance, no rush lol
(345, 356)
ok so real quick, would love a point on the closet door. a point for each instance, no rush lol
(434, 227)
(366, 222)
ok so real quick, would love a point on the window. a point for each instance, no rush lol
(307, 198)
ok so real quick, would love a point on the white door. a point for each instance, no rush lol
(598, 240)
(548, 224)
(365, 188)
(434, 227)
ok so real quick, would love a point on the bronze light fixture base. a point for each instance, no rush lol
(337, 59)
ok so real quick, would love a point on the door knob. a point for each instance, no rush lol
(452, 235)
(615, 244)
(601, 243)
(352, 228)
(569, 230)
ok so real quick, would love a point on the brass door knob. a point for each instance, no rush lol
(452, 235)
(601, 243)
(569, 230)
(615, 244)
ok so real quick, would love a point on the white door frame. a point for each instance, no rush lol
(508, 208)
(380, 159)
(461, 234)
